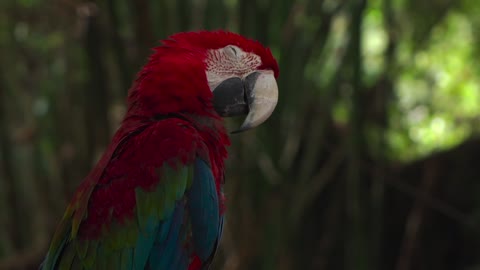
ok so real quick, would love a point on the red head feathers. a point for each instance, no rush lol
(174, 79)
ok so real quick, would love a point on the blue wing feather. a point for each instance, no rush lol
(204, 210)
(162, 254)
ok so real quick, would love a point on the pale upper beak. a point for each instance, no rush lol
(256, 95)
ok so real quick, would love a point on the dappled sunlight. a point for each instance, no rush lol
(438, 91)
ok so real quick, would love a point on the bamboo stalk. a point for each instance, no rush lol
(10, 180)
(356, 246)
(96, 108)
(119, 47)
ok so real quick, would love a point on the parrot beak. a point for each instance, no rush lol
(256, 96)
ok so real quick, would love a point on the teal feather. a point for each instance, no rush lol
(158, 247)
(182, 260)
(163, 231)
(167, 249)
(145, 242)
(203, 209)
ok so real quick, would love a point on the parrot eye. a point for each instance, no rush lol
(232, 51)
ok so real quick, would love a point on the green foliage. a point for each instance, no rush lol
(438, 92)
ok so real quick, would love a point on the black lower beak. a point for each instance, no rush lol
(255, 96)
(233, 96)
(229, 98)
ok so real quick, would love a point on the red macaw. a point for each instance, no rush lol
(155, 200)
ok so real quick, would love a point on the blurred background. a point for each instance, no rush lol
(370, 161)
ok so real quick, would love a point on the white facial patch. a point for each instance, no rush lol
(227, 62)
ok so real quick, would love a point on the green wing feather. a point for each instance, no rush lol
(124, 245)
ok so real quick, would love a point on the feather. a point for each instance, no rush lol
(145, 215)
(82, 248)
(113, 259)
(126, 259)
(144, 243)
(67, 258)
(76, 264)
(171, 243)
(204, 210)
(101, 259)
(91, 254)
(58, 243)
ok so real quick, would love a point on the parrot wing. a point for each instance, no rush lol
(175, 223)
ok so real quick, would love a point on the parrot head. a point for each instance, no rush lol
(212, 73)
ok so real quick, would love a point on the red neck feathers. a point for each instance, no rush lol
(174, 81)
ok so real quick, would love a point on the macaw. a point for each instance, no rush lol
(154, 200)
